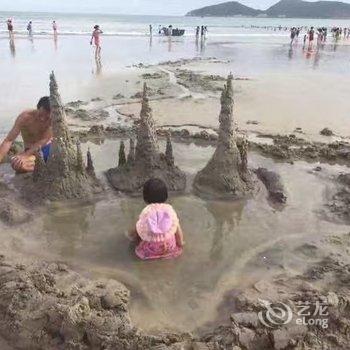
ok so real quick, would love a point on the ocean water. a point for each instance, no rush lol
(127, 25)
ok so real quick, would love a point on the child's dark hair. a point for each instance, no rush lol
(45, 103)
(155, 191)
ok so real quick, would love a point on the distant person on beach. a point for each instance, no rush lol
(337, 33)
(150, 30)
(325, 33)
(305, 38)
(311, 35)
(197, 31)
(320, 35)
(293, 33)
(95, 38)
(30, 28)
(54, 27)
(158, 232)
(10, 27)
(35, 128)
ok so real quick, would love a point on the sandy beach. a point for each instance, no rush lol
(276, 80)
(237, 252)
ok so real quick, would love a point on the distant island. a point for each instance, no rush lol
(284, 8)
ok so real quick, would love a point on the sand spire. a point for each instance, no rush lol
(64, 175)
(147, 143)
(122, 157)
(80, 161)
(169, 150)
(90, 169)
(39, 167)
(131, 154)
(146, 161)
(58, 115)
(226, 175)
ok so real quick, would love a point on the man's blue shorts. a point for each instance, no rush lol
(46, 151)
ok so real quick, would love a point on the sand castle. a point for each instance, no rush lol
(226, 175)
(145, 160)
(64, 175)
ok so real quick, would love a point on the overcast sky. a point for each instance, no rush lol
(156, 7)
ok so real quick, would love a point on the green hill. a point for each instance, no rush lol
(226, 9)
(284, 8)
(305, 9)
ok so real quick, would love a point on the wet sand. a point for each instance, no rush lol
(4, 345)
(279, 103)
(223, 249)
(229, 246)
(289, 87)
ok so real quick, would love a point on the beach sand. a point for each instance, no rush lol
(283, 92)
(277, 89)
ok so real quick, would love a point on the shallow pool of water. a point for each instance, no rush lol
(222, 238)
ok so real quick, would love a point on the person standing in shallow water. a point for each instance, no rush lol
(55, 36)
(305, 38)
(292, 35)
(311, 36)
(54, 27)
(197, 31)
(30, 28)
(158, 231)
(95, 38)
(10, 28)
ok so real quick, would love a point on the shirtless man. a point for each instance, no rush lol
(35, 129)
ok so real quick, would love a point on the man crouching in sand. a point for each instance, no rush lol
(35, 129)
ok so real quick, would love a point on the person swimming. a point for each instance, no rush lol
(35, 129)
(158, 231)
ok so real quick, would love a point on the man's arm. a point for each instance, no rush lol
(10, 138)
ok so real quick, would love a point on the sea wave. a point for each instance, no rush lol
(74, 33)
(139, 34)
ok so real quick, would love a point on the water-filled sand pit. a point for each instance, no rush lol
(229, 245)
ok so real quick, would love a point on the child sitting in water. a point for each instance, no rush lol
(158, 229)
